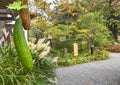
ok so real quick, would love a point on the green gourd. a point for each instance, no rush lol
(21, 46)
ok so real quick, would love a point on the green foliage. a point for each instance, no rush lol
(81, 21)
(13, 73)
(65, 44)
(16, 5)
(90, 18)
(61, 30)
(92, 29)
(68, 60)
(60, 46)
(101, 55)
(39, 28)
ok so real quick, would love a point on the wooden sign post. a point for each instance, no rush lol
(75, 47)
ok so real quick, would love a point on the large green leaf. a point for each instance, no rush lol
(16, 5)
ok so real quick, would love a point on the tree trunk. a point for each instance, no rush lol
(114, 30)
(113, 26)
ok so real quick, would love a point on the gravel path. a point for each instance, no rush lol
(106, 72)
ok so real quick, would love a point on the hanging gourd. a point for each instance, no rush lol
(21, 45)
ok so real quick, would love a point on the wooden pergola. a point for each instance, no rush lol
(4, 11)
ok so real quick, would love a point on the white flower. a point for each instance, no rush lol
(48, 43)
(44, 53)
(40, 41)
(31, 45)
(40, 46)
(55, 60)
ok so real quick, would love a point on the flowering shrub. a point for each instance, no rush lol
(13, 73)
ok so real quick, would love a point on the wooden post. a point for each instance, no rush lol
(75, 47)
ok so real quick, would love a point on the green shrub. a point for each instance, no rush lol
(69, 60)
(13, 73)
(101, 55)
(93, 30)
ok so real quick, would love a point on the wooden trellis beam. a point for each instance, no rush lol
(4, 11)
(6, 18)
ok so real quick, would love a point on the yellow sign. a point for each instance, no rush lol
(75, 47)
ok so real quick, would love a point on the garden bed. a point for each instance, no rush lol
(113, 48)
(70, 60)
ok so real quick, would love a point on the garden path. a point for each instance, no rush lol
(106, 72)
